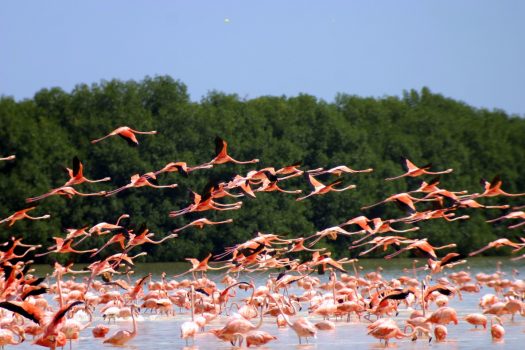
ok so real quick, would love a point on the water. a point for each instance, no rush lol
(161, 332)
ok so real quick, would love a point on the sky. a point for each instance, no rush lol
(469, 50)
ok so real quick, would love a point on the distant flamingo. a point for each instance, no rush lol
(413, 170)
(22, 214)
(319, 188)
(127, 134)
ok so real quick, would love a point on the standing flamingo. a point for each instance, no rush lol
(127, 134)
(123, 336)
(189, 328)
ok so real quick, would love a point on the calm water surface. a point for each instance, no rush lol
(161, 332)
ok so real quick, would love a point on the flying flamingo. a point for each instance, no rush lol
(127, 134)
(200, 223)
(148, 179)
(384, 241)
(319, 188)
(403, 200)
(413, 171)
(123, 336)
(512, 215)
(496, 244)
(493, 189)
(422, 246)
(330, 232)
(470, 203)
(182, 168)
(77, 176)
(222, 156)
(104, 227)
(338, 170)
(8, 158)
(63, 246)
(67, 191)
(269, 184)
(22, 214)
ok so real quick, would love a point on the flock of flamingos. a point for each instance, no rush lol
(29, 309)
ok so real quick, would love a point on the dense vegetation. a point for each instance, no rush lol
(46, 132)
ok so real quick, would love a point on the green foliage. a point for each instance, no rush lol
(46, 132)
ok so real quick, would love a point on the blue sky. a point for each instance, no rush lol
(471, 50)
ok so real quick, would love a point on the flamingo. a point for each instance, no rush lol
(222, 156)
(200, 223)
(22, 214)
(63, 246)
(476, 319)
(148, 179)
(440, 332)
(256, 338)
(7, 335)
(189, 328)
(182, 168)
(301, 326)
(496, 244)
(127, 134)
(403, 200)
(8, 158)
(319, 188)
(338, 170)
(413, 171)
(512, 215)
(77, 176)
(493, 189)
(496, 330)
(422, 246)
(67, 191)
(330, 232)
(122, 336)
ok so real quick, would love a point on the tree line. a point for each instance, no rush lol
(47, 131)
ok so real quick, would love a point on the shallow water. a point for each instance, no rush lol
(161, 332)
